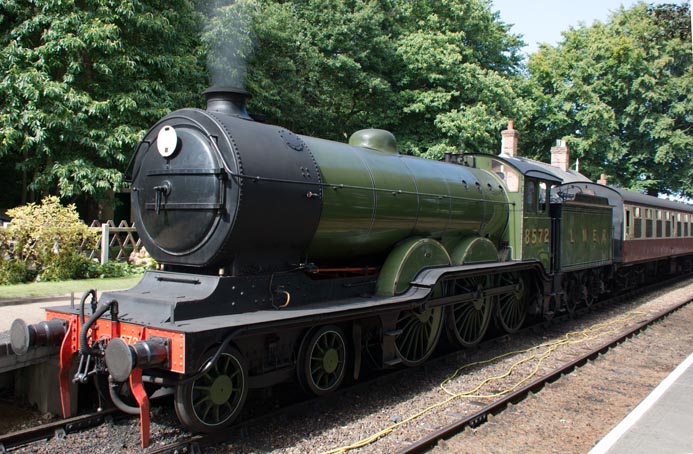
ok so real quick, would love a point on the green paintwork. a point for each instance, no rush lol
(536, 239)
(586, 236)
(373, 200)
(375, 139)
(406, 260)
(474, 250)
(512, 234)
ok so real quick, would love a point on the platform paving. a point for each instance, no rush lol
(34, 375)
(31, 310)
(661, 423)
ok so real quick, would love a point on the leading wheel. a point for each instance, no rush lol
(420, 331)
(322, 360)
(214, 400)
(511, 309)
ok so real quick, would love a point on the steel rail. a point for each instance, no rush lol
(195, 443)
(55, 429)
(478, 418)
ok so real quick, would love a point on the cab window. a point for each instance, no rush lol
(544, 196)
(531, 197)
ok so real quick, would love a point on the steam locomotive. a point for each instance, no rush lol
(285, 258)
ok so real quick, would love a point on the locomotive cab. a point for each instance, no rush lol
(528, 185)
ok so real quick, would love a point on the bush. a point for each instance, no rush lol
(120, 269)
(45, 239)
(13, 272)
(61, 267)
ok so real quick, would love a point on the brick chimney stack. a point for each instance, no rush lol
(560, 155)
(602, 180)
(510, 140)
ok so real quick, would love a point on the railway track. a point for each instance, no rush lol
(481, 416)
(197, 443)
(55, 429)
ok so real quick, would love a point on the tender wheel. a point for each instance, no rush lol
(572, 295)
(214, 400)
(468, 322)
(420, 333)
(511, 309)
(322, 360)
(586, 288)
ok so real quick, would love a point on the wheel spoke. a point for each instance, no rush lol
(322, 361)
(214, 399)
(419, 334)
(468, 321)
(511, 306)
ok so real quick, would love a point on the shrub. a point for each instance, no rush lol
(46, 239)
(13, 272)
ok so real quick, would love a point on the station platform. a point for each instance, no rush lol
(32, 310)
(34, 375)
(661, 423)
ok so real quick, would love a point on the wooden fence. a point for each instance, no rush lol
(115, 242)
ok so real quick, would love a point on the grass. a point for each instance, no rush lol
(65, 287)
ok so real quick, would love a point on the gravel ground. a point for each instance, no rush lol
(574, 413)
(359, 413)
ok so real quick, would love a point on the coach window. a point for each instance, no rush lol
(667, 224)
(637, 228)
(679, 232)
(628, 232)
(659, 224)
(648, 223)
(531, 196)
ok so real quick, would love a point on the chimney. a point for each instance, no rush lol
(227, 100)
(509, 141)
(602, 180)
(560, 156)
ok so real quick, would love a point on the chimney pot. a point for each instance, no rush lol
(510, 138)
(560, 155)
(227, 100)
(602, 180)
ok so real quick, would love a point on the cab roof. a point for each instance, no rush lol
(537, 169)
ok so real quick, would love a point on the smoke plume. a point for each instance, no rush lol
(229, 39)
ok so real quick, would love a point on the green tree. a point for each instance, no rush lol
(81, 81)
(317, 67)
(621, 93)
(459, 82)
(440, 75)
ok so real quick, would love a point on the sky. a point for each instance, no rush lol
(544, 20)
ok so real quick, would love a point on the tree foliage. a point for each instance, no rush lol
(621, 92)
(440, 75)
(82, 80)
